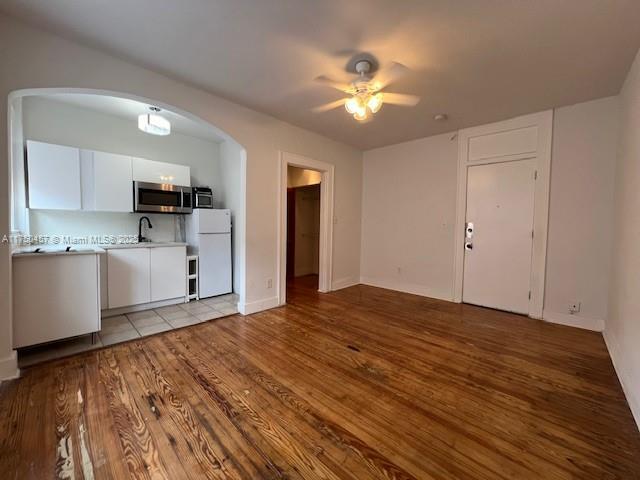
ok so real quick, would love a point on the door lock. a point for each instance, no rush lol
(469, 230)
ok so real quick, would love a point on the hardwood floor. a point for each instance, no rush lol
(360, 383)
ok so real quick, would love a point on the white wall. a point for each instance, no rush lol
(408, 216)
(581, 212)
(229, 193)
(18, 201)
(622, 331)
(31, 58)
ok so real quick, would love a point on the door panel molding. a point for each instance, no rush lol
(512, 148)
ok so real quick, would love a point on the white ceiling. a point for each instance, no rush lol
(129, 110)
(476, 60)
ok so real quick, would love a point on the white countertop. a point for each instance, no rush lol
(30, 250)
(109, 246)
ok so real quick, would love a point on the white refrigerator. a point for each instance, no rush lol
(209, 237)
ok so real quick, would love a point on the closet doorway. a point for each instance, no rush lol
(303, 226)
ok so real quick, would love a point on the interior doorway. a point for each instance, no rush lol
(306, 236)
(303, 225)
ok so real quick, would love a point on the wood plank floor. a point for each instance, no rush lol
(357, 384)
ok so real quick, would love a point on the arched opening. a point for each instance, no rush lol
(106, 121)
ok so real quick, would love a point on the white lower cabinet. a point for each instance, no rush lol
(128, 276)
(168, 272)
(143, 275)
(54, 297)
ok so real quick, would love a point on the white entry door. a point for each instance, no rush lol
(497, 260)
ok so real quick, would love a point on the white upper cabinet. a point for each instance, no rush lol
(160, 172)
(53, 176)
(67, 178)
(112, 182)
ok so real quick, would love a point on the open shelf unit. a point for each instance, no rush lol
(192, 278)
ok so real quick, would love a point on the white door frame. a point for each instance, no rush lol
(520, 138)
(326, 221)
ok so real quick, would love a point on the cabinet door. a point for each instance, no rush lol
(54, 176)
(112, 182)
(54, 297)
(160, 172)
(181, 174)
(168, 272)
(128, 276)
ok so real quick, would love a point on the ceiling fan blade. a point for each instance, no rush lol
(343, 87)
(389, 74)
(329, 106)
(400, 99)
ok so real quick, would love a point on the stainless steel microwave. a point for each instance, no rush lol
(161, 198)
(202, 197)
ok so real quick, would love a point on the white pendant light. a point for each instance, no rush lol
(153, 123)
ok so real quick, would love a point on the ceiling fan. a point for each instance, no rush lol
(366, 95)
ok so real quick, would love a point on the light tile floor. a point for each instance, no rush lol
(135, 325)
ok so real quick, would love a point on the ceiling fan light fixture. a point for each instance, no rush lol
(153, 123)
(364, 94)
(362, 110)
(374, 102)
(361, 114)
(352, 105)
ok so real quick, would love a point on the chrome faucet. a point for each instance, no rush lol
(140, 237)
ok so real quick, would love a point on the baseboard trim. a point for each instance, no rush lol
(344, 283)
(627, 385)
(258, 306)
(412, 288)
(9, 367)
(578, 321)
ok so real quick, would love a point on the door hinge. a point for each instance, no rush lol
(532, 233)
(535, 175)
(529, 294)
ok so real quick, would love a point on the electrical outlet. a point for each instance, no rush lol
(269, 283)
(574, 308)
